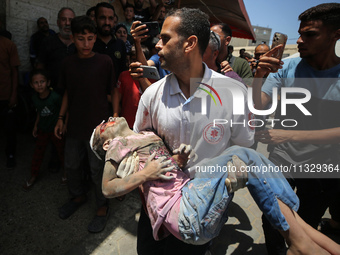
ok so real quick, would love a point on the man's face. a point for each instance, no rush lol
(314, 39)
(170, 45)
(209, 57)
(162, 13)
(64, 22)
(139, 4)
(93, 15)
(84, 43)
(105, 21)
(43, 24)
(260, 50)
(224, 43)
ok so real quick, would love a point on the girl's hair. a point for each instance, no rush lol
(43, 72)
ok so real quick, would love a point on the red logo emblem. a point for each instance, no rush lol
(213, 135)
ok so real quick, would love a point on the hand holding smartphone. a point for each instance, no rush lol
(150, 72)
(278, 39)
(153, 28)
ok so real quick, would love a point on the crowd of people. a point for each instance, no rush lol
(92, 70)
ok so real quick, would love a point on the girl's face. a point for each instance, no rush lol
(40, 84)
(121, 34)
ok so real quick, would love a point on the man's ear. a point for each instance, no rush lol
(106, 144)
(215, 54)
(337, 34)
(227, 40)
(190, 43)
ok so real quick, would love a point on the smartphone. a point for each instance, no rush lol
(278, 39)
(152, 26)
(150, 72)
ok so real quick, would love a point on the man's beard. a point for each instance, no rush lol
(103, 32)
(65, 34)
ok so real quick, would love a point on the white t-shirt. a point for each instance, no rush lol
(176, 119)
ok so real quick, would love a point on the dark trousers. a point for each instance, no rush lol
(43, 139)
(147, 245)
(8, 122)
(76, 152)
(315, 195)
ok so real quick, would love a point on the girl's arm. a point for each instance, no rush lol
(113, 186)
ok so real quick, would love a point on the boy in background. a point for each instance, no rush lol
(47, 103)
(87, 79)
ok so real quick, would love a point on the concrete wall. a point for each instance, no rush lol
(21, 16)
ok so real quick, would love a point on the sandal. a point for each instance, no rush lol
(63, 181)
(27, 186)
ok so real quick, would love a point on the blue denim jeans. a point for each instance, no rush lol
(205, 199)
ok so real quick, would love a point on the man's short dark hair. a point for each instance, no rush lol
(328, 13)
(104, 5)
(225, 29)
(40, 19)
(65, 8)
(88, 12)
(81, 23)
(193, 22)
(128, 5)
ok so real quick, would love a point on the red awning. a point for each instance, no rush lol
(231, 12)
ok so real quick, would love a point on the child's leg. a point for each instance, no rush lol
(302, 238)
(40, 148)
(264, 182)
(319, 238)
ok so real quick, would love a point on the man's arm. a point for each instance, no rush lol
(138, 35)
(116, 102)
(265, 66)
(277, 136)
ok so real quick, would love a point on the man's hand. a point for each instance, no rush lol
(225, 67)
(136, 71)
(237, 174)
(128, 166)
(183, 153)
(268, 63)
(59, 127)
(138, 33)
(273, 136)
(156, 169)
